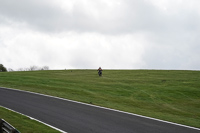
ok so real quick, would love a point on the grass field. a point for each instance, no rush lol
(171, 95)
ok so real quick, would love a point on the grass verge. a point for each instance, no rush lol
(23, 123)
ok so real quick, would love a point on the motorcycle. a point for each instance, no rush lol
(100, 73)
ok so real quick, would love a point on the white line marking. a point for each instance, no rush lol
(34, 119)
(106, 108)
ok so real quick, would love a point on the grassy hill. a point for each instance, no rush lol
(171, 95)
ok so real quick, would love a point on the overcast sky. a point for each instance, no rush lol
(113, 34)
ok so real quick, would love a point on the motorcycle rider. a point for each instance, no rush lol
(100, 71)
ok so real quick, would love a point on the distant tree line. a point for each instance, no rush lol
(31, 68)
(2, 68)
(34, 68)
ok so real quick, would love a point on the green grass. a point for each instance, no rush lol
(23, 123)
(171, 95)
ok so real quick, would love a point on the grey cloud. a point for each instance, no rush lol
(173, 51)
(171, 36)
(131, 16)
(37, 14)
(128, 17)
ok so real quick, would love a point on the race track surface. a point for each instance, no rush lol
(74, 117)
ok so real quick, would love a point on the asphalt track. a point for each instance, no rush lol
(74, 117)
